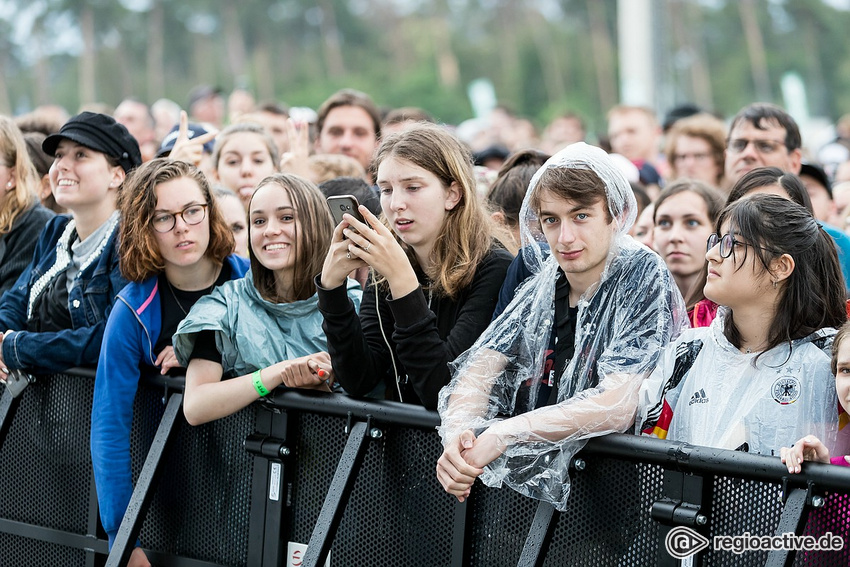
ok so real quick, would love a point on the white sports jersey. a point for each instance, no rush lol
(717, 396)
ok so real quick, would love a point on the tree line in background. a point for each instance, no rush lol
(543, 56)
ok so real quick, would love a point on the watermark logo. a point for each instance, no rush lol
(682, 542)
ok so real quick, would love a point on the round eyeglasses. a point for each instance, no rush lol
(727, 244)
(193, 214)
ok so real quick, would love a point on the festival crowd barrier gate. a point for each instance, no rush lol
(355, 480)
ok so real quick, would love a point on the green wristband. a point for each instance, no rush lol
(258, 384)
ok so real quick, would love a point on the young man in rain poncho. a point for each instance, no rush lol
(565, 360)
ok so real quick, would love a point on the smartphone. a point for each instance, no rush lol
(341, 204)
(17, 382)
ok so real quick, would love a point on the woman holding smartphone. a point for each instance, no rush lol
(54, 316)
(436, 272)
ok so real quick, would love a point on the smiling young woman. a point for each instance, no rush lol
(175, 248)
(54, 316)
(263, 331)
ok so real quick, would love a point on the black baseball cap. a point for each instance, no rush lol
(193, 130)
(101, 133)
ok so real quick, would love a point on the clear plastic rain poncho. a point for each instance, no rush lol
(705, 391)
(623, 324)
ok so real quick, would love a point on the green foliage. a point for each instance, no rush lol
(539, 55)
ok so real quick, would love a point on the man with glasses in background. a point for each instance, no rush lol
(764, 135)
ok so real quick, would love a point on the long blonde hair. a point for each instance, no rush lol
(13, 154)
(466, 236)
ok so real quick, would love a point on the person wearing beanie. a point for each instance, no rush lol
(54, 316)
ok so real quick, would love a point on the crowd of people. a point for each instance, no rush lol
(685, 280)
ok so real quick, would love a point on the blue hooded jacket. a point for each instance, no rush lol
(132, 331)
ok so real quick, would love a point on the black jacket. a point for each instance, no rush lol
(17, 245)
(423, 340)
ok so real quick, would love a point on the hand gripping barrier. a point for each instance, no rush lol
(355, 480)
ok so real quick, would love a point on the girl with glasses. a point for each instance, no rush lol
(175, 248)
(759, 377)
(266, 330)
(789, 186)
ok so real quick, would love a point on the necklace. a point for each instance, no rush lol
(204, 291)
(174, 295)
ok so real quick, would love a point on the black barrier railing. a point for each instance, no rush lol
(354, 480)
(628, 493)
(195, 515)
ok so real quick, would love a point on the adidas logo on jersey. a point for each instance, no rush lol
(699, 397)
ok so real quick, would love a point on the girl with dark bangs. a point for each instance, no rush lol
(175, 248)
(265, 330)
(759, 377)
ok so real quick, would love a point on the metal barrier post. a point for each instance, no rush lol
(268, 494)
(459, 535)
(539, 536)
(91, 558)
(793, 519)
(682, 505)
(128, 532)
(8, 404)
(338, 493)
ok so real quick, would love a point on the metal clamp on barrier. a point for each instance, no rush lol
(682, 504)
(265, 446)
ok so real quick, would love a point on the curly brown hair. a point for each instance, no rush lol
(139, 254)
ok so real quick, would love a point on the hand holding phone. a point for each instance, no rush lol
(341, 204)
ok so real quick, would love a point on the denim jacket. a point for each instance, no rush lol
(89, 302)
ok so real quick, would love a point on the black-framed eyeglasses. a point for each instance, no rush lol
(738, 145)
(727, 244)
(193, 214)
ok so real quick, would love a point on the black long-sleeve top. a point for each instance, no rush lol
(422, 339)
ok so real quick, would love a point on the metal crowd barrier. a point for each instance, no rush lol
(354, 482)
